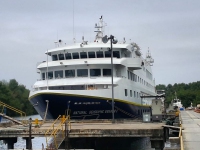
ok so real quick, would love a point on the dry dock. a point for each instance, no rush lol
(191, 133)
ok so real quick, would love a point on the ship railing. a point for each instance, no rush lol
(22, 114)
(56, 130)
(51, 78)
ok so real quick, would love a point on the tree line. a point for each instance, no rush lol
(187, 93)
(16, 95)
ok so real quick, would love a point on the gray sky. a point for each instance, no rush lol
(171, 29)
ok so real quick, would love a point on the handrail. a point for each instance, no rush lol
(55, 129)
(52, 125)
(15, 110)
(180, 134)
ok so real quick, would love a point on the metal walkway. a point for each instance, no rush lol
(191, 133)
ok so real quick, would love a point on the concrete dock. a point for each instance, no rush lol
(93, 130)
(191, 133)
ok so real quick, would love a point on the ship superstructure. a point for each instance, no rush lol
(77, 80)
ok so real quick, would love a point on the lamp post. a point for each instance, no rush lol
(30, 142)
(112, 41)
(47, 101)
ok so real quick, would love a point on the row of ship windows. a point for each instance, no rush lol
(79, 73)
(134, 77)
(82, 55)
(132, 94)
(84, 73)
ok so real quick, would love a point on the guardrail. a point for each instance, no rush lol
(54, 131)
(180, 133)
(22, 114)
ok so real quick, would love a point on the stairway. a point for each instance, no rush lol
(57, 141)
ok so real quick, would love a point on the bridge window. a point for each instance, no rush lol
(59, 74)
(116, 54)
(75, 55)
(107, 54)
(99, 54)
(91, 54)
(134, 94)
(69, 73)
(50, 75)
(68, 56)
(95, 72)
(43, 76)
(130, 93)
(106, 72)
(61, 56)
(82, 72)
(83, 54)
(54, 57)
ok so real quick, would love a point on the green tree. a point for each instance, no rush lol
(15, 95)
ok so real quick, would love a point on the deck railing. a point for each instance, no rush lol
(22, 114)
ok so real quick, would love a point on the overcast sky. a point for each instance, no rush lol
(170, 28)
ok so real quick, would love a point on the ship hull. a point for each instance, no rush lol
(85, 107)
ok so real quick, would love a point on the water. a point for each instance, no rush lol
(21, 143)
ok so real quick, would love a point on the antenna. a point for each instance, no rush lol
(74, 40)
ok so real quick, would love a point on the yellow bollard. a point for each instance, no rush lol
(36, 122)
(177, 113)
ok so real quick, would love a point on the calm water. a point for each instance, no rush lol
(21, 143)
(140, 144)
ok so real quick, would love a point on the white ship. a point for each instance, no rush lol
(78, 80)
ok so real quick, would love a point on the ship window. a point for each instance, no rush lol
(91, 54)
(61, 56)
(95, 72)
(106, 72)
(43, 76)
(137, 94)
(59, 74)
(116, 54)
(130, 93)
(82, 72)
(99, 54)
(107, 53)
(128, 74)
(134, 94)
(75, 55)
(131, 75)
(50, 75)
(83, 54)
(68, 56)
(135, 78)
(54, 57)
(125, 90)
(69, 73)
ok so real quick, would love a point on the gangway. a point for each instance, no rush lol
(55, 135)
(22, 114)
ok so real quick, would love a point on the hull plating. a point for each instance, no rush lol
(83, 107)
